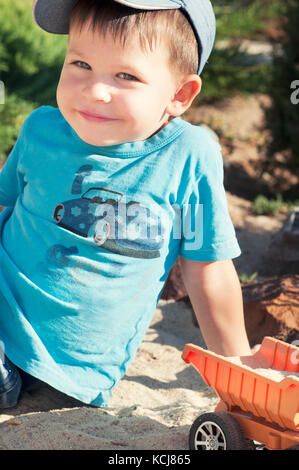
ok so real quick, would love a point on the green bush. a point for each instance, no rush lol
(243, 18)
(222, 78)
(30, 64)
(237, 20)
(264, 206)
(30, 58)
(12, 115)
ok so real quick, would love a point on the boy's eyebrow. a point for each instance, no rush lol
(75, 51)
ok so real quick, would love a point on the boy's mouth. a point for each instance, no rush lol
(94, 117)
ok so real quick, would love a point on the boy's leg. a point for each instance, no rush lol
(10, 383)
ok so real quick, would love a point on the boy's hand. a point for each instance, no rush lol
(216, 296)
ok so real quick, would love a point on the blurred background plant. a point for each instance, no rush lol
(267, 206)
(243, 277)
(238, 20)
(30, 63)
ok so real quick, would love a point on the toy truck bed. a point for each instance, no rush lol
(250, 390)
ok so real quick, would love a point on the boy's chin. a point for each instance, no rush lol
(100, 141)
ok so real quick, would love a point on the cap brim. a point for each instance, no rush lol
(151, 4)
(53, 16)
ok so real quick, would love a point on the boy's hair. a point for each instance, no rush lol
(152, 26)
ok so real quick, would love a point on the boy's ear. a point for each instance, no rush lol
(187, 90)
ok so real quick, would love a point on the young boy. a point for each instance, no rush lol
(104, 193)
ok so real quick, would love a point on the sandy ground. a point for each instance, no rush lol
(152, 407)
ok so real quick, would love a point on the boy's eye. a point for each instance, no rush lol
(82, 65)
(127, 76)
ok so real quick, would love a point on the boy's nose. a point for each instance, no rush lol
(98, 91)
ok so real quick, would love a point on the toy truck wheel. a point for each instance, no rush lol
(217, 431)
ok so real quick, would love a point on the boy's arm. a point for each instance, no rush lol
(216, 296)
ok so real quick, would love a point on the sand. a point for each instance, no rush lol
(273, 374)
(152, 407)
(277, 375)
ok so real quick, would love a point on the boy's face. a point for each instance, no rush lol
(128, 88)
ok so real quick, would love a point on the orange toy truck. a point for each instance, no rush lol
(253, 405)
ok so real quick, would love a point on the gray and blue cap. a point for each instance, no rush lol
(53, 16)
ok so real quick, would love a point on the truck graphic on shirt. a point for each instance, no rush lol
(127, 228)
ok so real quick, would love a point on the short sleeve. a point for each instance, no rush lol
(207, 232)
(9, 175)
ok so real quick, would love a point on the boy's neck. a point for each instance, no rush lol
(160, 128)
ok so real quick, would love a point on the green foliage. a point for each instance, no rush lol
(12, 115)
(30, 58)
(222, 78)
(264, 206)
(243, 18)
(237, 20)
(243, 277)
(30, 64)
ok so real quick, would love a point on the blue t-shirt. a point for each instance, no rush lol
(88, 238)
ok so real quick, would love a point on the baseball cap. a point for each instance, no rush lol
(53, 17)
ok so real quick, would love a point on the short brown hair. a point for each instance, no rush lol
(152, 26)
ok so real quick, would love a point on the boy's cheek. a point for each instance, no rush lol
(64, 85)
(59, 95)
(65, 90)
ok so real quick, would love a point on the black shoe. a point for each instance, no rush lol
(10, 384)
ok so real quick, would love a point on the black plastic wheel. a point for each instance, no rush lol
(218, 431)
